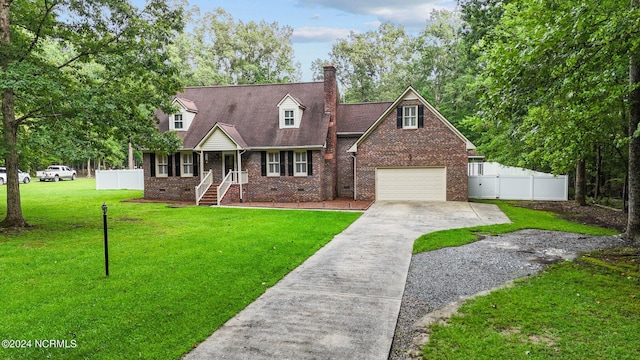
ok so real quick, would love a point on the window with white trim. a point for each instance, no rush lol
(300, 163)
(273, 164)
(187, 164)
(410, 117)
(178, 123)
(289, 118)
(162, 163)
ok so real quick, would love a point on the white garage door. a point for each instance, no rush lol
(419, 184)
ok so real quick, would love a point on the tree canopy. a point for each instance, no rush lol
(555, 87)
(70, 68)
(222, 51)
(379, 65)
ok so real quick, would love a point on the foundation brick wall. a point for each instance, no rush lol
(174, 188)
(283, 188)
(433, 145)
(260, 188)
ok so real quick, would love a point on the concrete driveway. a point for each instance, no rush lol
(343, 302)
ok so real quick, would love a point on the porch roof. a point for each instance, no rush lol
(222, 137)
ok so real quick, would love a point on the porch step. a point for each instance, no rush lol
(210, 197)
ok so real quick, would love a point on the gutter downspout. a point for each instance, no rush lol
(354, 177)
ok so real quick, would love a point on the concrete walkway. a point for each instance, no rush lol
(343, 302)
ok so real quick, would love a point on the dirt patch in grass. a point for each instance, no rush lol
(624, 259)
(589, 214)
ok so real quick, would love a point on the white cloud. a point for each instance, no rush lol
(408, 13)
(366, 7)
(374, 24)
(415, 16)
(318, 34)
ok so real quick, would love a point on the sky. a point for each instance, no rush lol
(318, 23)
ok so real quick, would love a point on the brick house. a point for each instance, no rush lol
(297, 142)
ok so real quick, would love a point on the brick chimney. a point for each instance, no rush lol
(331, 110)
(330, 91)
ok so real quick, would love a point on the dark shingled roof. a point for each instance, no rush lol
(233, 134)
(188, 104)
(252, 110)
(357, 118)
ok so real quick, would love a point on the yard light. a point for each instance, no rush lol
(106, 243)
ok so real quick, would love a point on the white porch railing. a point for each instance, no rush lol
(231, 178)
(204, 185)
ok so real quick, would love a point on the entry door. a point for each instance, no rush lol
(229, 163)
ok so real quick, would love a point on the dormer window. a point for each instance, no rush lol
(290, 112)
(186, 113)
(289, 118)
(177, 121)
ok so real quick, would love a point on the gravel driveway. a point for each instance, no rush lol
(441, 277)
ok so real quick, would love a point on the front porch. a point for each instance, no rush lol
(209, 193)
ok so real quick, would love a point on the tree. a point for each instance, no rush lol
(131, 74)
(221, 51)
(372, 66)
(633, 223)
(480, 17)
(555, 84)
(442, 70)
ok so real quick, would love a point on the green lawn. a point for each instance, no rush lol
(571, 311)
(176, 273)
(589, 309)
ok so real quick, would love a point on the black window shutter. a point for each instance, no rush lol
(421, 116)
(196, 162)
(282, 169)
(290, 162)
(263, 163)
(178, 155)
(309, 162)
(399, 117)
(169, 165)
(152, 160)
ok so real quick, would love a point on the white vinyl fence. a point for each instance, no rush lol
(120, 179)
(531, 187)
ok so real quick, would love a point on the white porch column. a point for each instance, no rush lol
(239, 155)
(201, 164)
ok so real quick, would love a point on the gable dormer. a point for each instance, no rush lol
(181, 120)
(290, 112)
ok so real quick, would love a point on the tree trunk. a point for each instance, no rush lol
(596, 191)
(581, 183)
(14, 216)
(130, 164)
(633, 221)
(88, 168)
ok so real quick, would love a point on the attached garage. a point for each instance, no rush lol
(411, 183)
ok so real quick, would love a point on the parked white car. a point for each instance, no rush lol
(57, 172)
(23, 177)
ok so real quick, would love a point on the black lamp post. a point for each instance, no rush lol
(106, 243)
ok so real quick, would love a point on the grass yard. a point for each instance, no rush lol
(571, 311)
(176, 273)
(588, 309)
